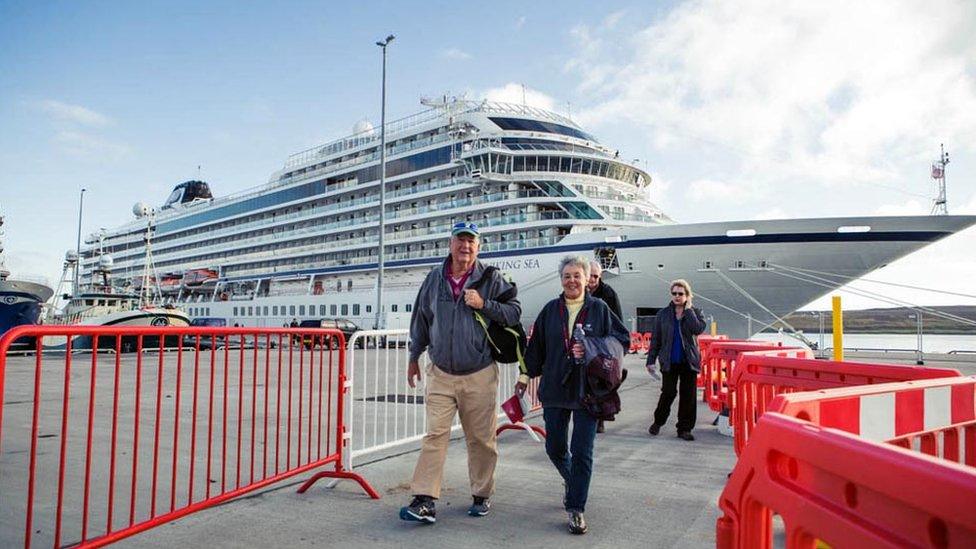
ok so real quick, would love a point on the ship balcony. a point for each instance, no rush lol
(434, 255)
(308, 214)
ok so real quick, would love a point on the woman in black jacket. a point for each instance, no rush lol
(674, 343)
(552, 353)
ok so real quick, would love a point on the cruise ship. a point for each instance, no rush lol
(305, 245)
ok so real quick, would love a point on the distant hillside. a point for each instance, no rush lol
(888, 321)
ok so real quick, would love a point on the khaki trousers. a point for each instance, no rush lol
(473, 397)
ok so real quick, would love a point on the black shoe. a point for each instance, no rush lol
(421, 509)
(480, 507)
(654, 429)
(686, 435)
(577, 524)
(599, 426)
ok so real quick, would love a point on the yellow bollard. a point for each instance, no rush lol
(838, 318)
(714, 328)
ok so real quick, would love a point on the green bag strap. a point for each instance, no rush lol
(523, 369)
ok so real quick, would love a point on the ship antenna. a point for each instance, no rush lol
(939, 205)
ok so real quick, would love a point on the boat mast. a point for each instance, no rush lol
(939, 205)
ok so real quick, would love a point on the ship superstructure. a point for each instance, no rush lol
(538, 186)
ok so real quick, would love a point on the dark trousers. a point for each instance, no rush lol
(679, 378)
(577, 467)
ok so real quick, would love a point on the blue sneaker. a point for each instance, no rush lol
(421, 509)
(480, 507)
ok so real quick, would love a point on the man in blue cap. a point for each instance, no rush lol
(462, 377)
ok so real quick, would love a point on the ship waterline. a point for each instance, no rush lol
(538, 186)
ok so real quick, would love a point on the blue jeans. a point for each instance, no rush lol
(577, 468)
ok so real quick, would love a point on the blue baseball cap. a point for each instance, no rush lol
(465, 227)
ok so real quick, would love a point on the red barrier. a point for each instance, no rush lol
(197, 417)
(721, 363)
(635, 342)
(834, 466)
(704, 346)
(761, 376)
(645, 342)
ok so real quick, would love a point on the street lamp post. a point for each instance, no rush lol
(379, 268)
(81, 205)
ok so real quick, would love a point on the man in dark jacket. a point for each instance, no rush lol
(674, 343)
(462, 377)
(600, 289)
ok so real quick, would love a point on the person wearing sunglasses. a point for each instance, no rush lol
(674, 345)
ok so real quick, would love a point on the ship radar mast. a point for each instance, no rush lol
(939, 205)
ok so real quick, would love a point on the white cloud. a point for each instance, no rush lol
(455, 54)
(515, 93)
(791, 91)
(709, 190)
(773, 213)
(76, 131)
(74, 114)
(520, 22)
(909, 207)
(88, 146)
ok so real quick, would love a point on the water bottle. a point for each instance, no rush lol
(578, 336)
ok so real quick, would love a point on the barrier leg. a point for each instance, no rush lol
(531, 429)
(340, 474)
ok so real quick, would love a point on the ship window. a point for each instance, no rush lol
(355, 308)
(291, 310)
(763, 264)
(301, 310)
(208, 311)
(707, 264)
(250, 311)
(409, 307)
(235, 311)
(393, 307)
(345, 309)
(321, 310)
(369, 308)
(274, 310)
(349, 285)
(332, 310)
(265, 310)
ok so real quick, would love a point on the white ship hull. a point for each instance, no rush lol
(648, 259)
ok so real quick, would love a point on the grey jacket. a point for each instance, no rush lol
(446, 328)
(692, 324)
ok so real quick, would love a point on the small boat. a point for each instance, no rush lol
(21, 301)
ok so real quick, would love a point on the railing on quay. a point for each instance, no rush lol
(98, 449)
(384, 413)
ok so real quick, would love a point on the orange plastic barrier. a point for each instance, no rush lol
(645, 342)
(761, 376)
(704, 345)
(194, 417)
(635, 342)
(722, 357)
(832, 464)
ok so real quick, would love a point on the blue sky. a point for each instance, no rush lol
(757, 110)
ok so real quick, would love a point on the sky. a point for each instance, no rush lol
(739, 110)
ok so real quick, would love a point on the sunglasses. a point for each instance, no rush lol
(677, 293)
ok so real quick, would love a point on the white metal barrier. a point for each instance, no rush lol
(383, 411)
